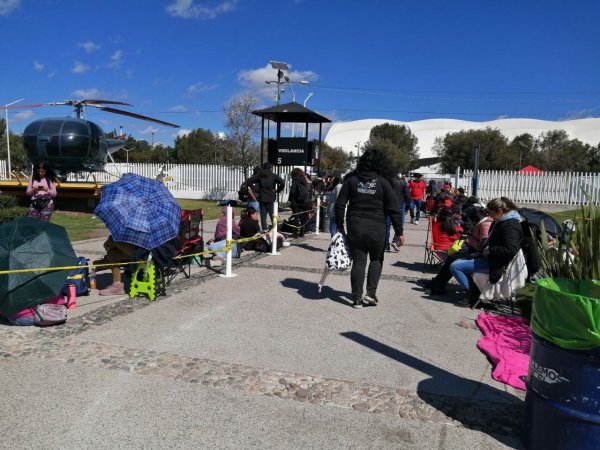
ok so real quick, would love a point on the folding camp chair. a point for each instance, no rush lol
(191, 241)
(513, 279)
(434, 257)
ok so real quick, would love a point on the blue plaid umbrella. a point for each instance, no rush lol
(139, 211)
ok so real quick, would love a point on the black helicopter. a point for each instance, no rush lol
(73, 144)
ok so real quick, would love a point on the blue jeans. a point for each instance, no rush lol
(388, 226)
(418, 204)
(20, 321)
(462, 268)
(221, 244)
(254, 204)
(332, 226)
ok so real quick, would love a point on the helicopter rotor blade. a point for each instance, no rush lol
(32, 105)
(106, 102)
(137, 116)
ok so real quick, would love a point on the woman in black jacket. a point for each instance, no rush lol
(299, 200)
(504, 242)
(365, 199)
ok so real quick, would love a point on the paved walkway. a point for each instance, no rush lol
(262, 360)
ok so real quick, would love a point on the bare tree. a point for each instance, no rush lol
(244, 132)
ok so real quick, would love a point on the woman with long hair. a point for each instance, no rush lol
(365, 199)
(503, 243)
(42, 189)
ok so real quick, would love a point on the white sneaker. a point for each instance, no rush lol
(416, 222)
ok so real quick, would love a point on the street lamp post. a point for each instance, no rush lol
(310, 94)
(8, 136)
(522, 145)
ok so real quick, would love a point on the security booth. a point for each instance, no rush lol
(290, 151)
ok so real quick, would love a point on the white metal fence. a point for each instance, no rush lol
(558, 188)
(3, 170)
(186, 180)
(222, 182)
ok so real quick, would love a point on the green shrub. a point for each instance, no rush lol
(7, 201)
(576, 256)
(9, 214)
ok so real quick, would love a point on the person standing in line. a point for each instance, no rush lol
(42, 190)
(417, 189)
(269, 185)
(299, 200)
(253, 192)
(401, 188)
(365, 199)
(333, 187)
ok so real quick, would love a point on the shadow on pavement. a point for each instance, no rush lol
(309, 247)
(310, 291)
(496, 413)
(414, 266)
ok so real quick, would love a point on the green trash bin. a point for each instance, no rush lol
(567, 312)
(562, 404)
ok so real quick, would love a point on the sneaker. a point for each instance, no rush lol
(285, 244)
(388, 248)
(357, 303)
(416, 222)
(113, 289)
(437, 291)
(371, 299)
(395, 246)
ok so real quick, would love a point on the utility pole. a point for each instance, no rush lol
(475, 181)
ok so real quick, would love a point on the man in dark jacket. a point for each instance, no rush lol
(269, 185)
(366, 198)
(403, 193)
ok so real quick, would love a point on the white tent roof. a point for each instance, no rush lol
(348, 134)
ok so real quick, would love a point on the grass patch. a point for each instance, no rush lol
(80, 226)
(211, 209)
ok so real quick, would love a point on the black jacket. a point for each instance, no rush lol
(369, 196)
(504, 242)
(269, 185)
(401, 188)
(295, 198)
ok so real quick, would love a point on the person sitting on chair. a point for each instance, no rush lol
(480, 225)
(116, 252)
(503, 243)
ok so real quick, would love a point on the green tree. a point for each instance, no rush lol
(197, 147)
(559, 153)
(398, 141)
(334, 159)
(18, 156)
(457, 150)
(241, 145)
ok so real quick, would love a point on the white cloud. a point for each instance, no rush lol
(86, 93)
(149, 130)
(580, 114)
(178, 108)
(116, 59)
(39, 67)
(187, 9)
(79, 67)
(8, 6)
(52, 74)
(182, 133)
(199, 87)
(89, 46)
(255, 82)
(23, 115)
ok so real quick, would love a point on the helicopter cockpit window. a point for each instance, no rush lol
(96, 134)
(74, 139)
(50, 133)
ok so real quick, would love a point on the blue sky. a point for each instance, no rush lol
(182, 60)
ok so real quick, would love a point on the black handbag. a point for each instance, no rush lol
(40, 203)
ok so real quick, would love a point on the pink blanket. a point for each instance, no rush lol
(506, 342)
